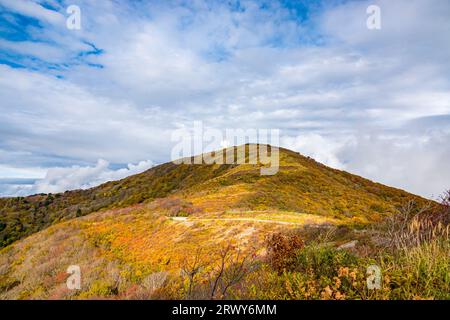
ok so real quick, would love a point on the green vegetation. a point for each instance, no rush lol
(136, 253)
(301, 185)
(317, 268)
(225, 232)
(20, 217)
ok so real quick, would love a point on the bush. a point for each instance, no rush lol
(322, 260)
(281, 250)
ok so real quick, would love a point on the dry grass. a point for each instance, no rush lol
(413, 226)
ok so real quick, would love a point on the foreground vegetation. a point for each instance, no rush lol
(134, 254)
(225, 232)
(410, 249)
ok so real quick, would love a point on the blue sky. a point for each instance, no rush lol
(80, 107)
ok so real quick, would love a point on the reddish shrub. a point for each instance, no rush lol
(282, 249)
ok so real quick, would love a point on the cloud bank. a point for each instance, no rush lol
(60, 179)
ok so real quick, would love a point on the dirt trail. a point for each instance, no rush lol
(248, 219)
(185, 219)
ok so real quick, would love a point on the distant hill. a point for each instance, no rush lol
(301, 185)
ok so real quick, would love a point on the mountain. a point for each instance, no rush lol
(121, 232)
(301, 185)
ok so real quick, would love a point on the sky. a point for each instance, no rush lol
(81, 107)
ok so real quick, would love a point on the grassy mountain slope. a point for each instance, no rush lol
(140, 234)
(117, 250)
(301, 185)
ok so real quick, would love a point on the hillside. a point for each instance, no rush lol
(301, 185)
(216, 231)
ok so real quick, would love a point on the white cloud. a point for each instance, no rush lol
(77, 177)
(416, 163)
(39, 50)
(58, 117)
(317, 147)
(9, 171)
(35, 10)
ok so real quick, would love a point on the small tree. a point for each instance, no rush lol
(191, 268)
(231, 267)
(213, 275)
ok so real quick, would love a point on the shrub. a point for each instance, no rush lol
(281, 250)
(322, 260)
